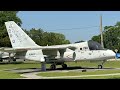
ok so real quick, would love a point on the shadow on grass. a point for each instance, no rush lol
(78, 67)
(18, 62)
(26, 70)
(30, 70)
(7, 63)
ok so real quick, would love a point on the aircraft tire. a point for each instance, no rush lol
(53, 67)
(100, 66)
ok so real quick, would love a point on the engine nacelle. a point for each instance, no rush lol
(69, 55)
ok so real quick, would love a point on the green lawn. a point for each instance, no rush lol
(76, 73)
(5, 68)
(9, 75)
(110, 64)
(100, 77)
(5, 72)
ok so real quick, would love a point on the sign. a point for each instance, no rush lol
(116, 50)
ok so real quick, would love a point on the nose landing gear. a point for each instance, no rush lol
(101, 65)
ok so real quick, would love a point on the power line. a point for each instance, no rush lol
(74, 28)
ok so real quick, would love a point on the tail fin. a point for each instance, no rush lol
(18, 38)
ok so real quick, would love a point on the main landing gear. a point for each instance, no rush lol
(53, 66)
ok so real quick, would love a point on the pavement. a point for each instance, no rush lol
(34, 76)
(31, 73)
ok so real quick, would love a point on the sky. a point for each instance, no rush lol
(75, 25)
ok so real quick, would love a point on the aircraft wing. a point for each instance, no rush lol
(11, 50)
(47, 50)
(55, 47)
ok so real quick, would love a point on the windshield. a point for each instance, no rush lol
(94, 45)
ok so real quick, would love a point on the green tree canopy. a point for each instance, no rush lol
(38, 35)
(7, 16)
(111, 37)
(46, 38)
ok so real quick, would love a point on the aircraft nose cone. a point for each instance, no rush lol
(111, 53)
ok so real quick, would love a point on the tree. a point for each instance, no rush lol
(38, 35)
(46, 38)
(111, 36)
(7, 16)
(96, 38)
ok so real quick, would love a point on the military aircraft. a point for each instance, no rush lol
(26, 48)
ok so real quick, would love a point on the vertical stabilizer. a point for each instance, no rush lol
(18, 38)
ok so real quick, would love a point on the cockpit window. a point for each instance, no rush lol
(94, 45)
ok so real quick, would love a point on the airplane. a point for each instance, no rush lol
(26, 48)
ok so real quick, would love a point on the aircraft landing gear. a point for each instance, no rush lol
(53, 67)
(64, 66)
(100, 66)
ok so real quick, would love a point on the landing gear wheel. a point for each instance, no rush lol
(53, 67)
(64, 66)
(100, 66)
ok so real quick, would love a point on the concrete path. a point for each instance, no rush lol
(34, 76)
(31, 76)
(80, 76)
(32, 73)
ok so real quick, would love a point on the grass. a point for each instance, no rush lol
(111, 64)
(9, 75)
(76, 73)
(5, 68)
(6, 74)
(100, 77)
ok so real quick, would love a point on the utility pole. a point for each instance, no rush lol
(101, 32)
